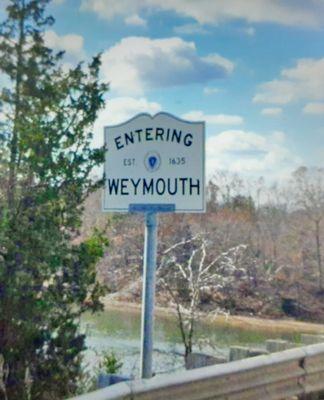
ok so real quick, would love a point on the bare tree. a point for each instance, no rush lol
(272, 218)
(224, 186)
(188, 269)
(308, 187)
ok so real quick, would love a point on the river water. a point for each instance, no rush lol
(118, 330)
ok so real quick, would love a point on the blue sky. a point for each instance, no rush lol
(252, 69)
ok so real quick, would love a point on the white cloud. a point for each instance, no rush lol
(72, 44)
(208, 90)
(120, 109)
(135, 20)
(249, 31)
(110, 8)
(303, 82)
(190, 29)
(216, 59)
(249, 153)
(272, 111)
(215, 119)
(279, 136)
(285, 12)
(314, 108)
(138, 63)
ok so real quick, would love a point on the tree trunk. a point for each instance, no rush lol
(17, 102)
(318, 254)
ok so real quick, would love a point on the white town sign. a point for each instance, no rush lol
(155, 163)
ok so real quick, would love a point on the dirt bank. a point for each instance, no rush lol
(235, 321)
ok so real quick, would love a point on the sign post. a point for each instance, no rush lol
(150, 246)
(154, 164)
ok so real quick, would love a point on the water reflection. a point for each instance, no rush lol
(118, 330)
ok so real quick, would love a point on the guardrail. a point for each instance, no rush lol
(296, 372)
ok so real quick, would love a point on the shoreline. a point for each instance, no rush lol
(231, 321)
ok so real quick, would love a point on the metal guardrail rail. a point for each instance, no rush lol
(296, 372)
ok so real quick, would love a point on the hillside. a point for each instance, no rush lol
(277, 274)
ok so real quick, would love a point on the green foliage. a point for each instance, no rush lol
(269, 267)
(96, 244)
(110, 364)
(47, 278)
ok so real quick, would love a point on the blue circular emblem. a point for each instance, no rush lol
(152, 161)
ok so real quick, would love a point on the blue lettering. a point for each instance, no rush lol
(135, 185)
(118, 144)
(194, 185)
(139, 131)
(176, 136)
(147, 188)
(174, 191)
(159, 132)
(123, 190)
(187, 140)
(160, 190)
(129, 138)
(183, 180)
(113, 185)
(148, 134)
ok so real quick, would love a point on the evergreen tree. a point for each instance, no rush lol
(46, 280)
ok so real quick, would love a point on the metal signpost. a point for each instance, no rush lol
(154, 164)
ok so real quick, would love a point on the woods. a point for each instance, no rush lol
(275, 224)
(255, 252)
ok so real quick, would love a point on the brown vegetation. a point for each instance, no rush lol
(281, 228)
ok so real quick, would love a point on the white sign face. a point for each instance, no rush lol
(155, 163)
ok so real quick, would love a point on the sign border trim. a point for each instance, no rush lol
(125, 210)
